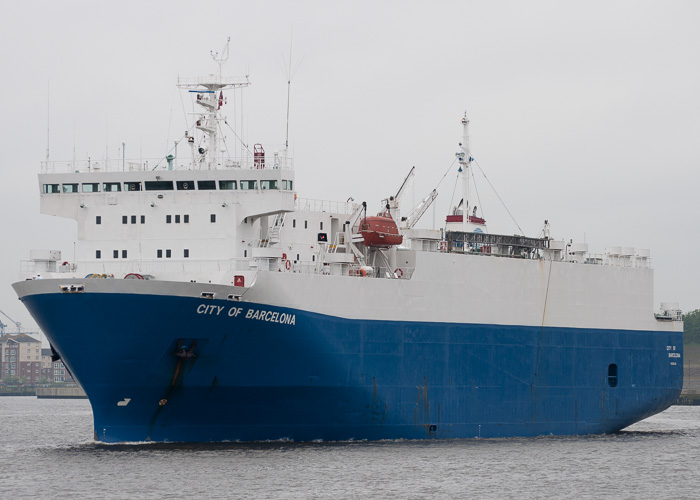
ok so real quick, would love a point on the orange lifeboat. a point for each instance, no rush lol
(380, 231)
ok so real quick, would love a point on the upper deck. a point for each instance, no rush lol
(276, 161)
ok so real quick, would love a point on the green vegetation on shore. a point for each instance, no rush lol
(691, 327)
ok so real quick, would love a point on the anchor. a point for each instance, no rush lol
(183, 355)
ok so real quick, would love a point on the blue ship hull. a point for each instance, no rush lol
(305, 376)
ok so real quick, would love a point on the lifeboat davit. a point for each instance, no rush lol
(380, 231)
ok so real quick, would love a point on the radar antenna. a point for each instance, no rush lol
(224, 56)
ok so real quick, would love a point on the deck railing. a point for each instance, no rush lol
(160, 164)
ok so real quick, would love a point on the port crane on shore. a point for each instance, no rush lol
(3, 325)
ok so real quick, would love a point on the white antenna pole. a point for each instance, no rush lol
(289, 89)
(465, 161)
(48, 118)
(74, 144)
(107, 145)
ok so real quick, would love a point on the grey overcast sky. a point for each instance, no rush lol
(583, 113)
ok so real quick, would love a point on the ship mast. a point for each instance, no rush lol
(210, 97)
(465, 162)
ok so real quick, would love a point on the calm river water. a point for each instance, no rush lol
(46, 451)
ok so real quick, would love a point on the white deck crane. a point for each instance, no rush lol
(394, 202)
(414, 216)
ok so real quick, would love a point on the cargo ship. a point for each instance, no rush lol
(208, 302)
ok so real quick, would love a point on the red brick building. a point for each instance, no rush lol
(53, 371)
(20, 356)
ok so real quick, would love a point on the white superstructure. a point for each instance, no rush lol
(223, 221)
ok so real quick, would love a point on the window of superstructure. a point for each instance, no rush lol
(168, 253)
(123, 254)
(52, 188)
(212, 218)
(91, 187)
(98, 219)
(177, 219)
(98, 254)
(284, 184)
(158, 185)
(168, 219)
(321, 225)
(70, 188)
(227, 185)
(186, 218)
(306, 224)
(125, 219)
(160, 254)
(132, 186)
(133, 219)
(290, 185)
(185, 185)
(115, 254)
(186, 253)
(268, 184)
(249, 184)
(206, 185)
(294, 223)
(143, 219)
(111, 187)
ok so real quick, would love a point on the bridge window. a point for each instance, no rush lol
(158, 186)
(132, 186)
(168, 219)
(98, 254)
(98, 219)
(186, 253)
(206, 185)
(168, 254)
(70, 188)
(123, 254)
(185, 185)
(249, 184)
(186, 219)
(111, 187)
(143, 219)
(124, 219)
(51, 188)
(177, 219)
(227, 185)
(160, 254)
(612, 375)
(268, 184)
(93, 187)
(212, 218)
(133, 219)
(115, 254)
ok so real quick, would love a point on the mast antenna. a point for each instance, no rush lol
(224, 56)
(289, 74)
(48, 117)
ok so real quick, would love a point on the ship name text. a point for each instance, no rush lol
(248, 313)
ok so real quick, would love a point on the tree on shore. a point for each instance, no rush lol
(691, 327)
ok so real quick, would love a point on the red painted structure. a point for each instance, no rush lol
(380, 231)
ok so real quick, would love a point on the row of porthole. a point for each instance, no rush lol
(168, 219)
(159, 254)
